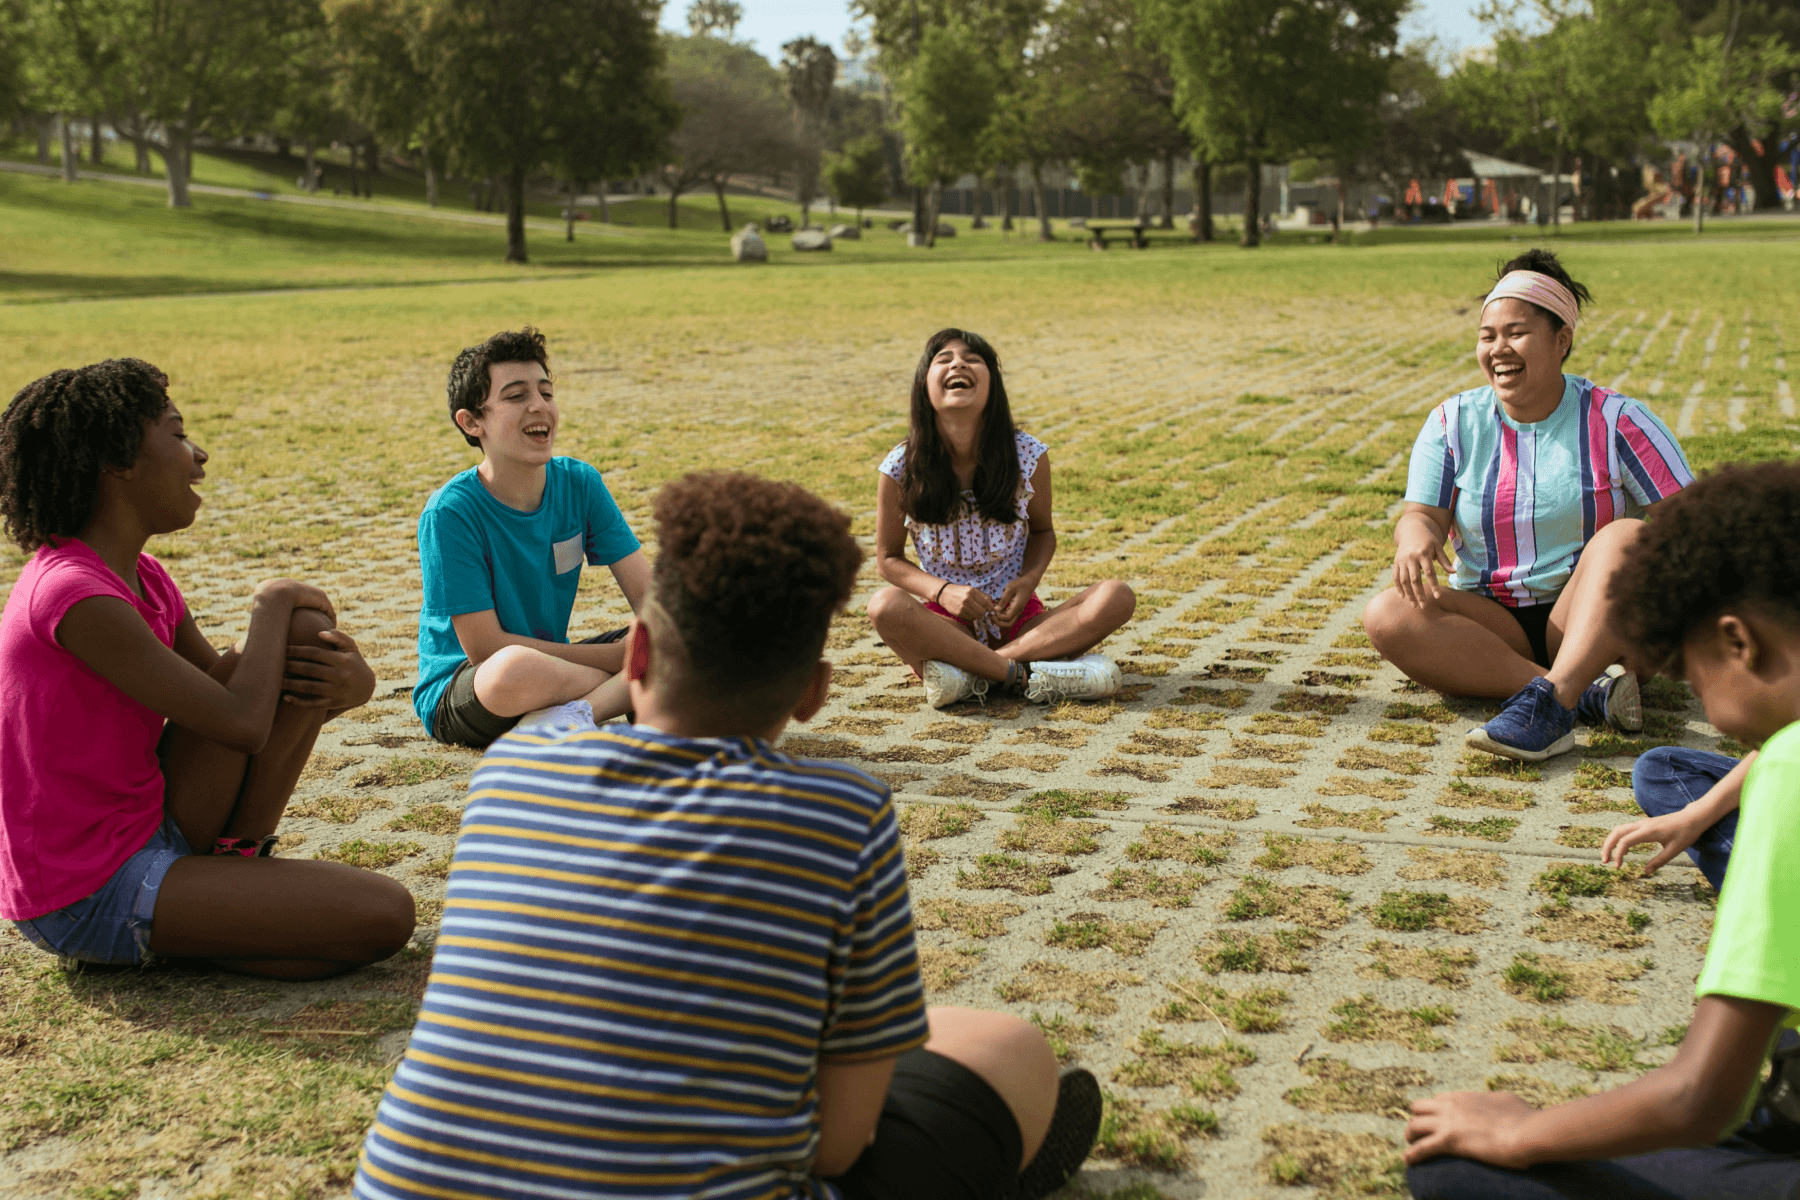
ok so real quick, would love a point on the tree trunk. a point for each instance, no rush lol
(605, 209)
(1203, 217)
(1556, 188)
(725, 212)
(569, 212)
(312, 159)
(142, 150)
(175, 166)
(673, 196)
(1168, 196)
(1252, 236)
(68, 148)
(515, 216)
(43, 138)
(917, 236)
(1037, 200)
(1704, 168)
(431, 179)
(931, 221)
(97, 143)
(1003, 180)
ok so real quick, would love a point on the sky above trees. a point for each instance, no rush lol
(768, 24)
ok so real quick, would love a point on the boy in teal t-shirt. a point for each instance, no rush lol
(501, 547)
(1712, 594)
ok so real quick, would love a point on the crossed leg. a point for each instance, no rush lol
(1464, 644)
(1072, 628)
(517, 680)
(282, 918)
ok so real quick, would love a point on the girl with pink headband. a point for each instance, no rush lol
(1539, 481)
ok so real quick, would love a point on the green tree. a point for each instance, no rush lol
(1713, 86)
(1758, 139)
(714, 18)
(857, 175)
(1260, 81)
(810, 71)
(733, 119)
(377, 78)
(177, 70)
(947, 96)
(512, 81)
(1421, 132)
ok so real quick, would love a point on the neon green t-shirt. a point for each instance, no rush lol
(1755, 949)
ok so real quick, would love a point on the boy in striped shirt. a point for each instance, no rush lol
(678, 963)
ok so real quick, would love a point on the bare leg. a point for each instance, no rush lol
(278, 917)
(611, 698)
(1076, 625)
(919, 636)
(1580, 635)
(518, 679)
(1010, 1055)
(1460, 643)
(212, 792)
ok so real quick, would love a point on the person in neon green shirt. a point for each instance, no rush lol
(1712, 595)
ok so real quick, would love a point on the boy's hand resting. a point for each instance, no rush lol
(1478, 1125)
(334, 680)
(1676, 831)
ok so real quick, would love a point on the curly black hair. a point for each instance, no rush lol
(1730, 541)
(1545, 262)
(60, 432)
(468, 385)
(750, 571)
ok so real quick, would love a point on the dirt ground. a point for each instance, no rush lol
(1265, 896)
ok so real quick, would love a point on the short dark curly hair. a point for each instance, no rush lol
(60, 432)
(1728, 542)
(750, 572)
(469, 382)
(1545, 262)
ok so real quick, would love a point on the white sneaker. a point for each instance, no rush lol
(1090, 677)
(945, 684)
(576, 714)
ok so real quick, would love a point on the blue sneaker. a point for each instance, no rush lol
(1531, 726)
(1612, 700)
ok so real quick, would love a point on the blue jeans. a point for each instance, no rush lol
(1733, 1170)
(113, 924)
(1668, 779)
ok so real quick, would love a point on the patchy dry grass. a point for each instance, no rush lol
(919, 859)
(1400, 762)
(944, 969)
(1399, 731)
(1299, 700)
(1268, 778)
(1179, 718)
(369, 855)
(1202, 1068)
(1239, 808)
(970, 920)
(1145, 883)
(1049, 735)
(1217, 697)
(1438, 714)
(1445, 968)
(1363, 1019)
(1410, 912)
(1368, 820)
(1547, 979)
(1311, 905)
(1488, 829)
(1465, 866)
(439, 819)
(929, 821)
(1062, 802)
(1167, 842)
(1562, 879)
(1156, 743)
(967, 733)
(1340, 1088)
(1253, 953)
(1150, 1140)
(988, 791)
(1340, 1165)
(1091, 992)
(1092, 931)
(1064, 1034)
(1265, 724)
(1051, 835)
(1594, 1047)
(339, 810)
(1251, 1010)
(404, 772)
(1460, 793)
(1538, 1093)
(1492, 766)
(1284, 850)
(1561, 921)
(1275, 752)
(1011, 873)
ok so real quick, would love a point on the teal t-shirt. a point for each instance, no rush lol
(475, 553)
(1755, 948)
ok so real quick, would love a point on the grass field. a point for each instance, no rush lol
(1229, 432)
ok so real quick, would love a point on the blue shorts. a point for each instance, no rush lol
(113, 924)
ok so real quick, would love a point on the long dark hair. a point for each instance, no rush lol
(928, 491)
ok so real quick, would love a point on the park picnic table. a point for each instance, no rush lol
(1097, 234)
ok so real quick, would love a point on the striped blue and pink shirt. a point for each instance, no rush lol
(649, 942)
(1526, 499)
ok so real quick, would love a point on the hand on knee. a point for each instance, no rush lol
(305, 626)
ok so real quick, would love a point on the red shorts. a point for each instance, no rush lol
(1033, 609)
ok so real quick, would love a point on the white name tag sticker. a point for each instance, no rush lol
(567, 554)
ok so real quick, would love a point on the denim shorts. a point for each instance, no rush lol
(113, 924)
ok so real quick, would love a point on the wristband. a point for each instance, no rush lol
(940, 591)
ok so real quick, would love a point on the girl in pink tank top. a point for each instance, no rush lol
(143, 773)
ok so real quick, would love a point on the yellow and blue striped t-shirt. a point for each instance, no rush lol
(648, 944)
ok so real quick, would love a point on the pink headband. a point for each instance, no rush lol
(1540, 290)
